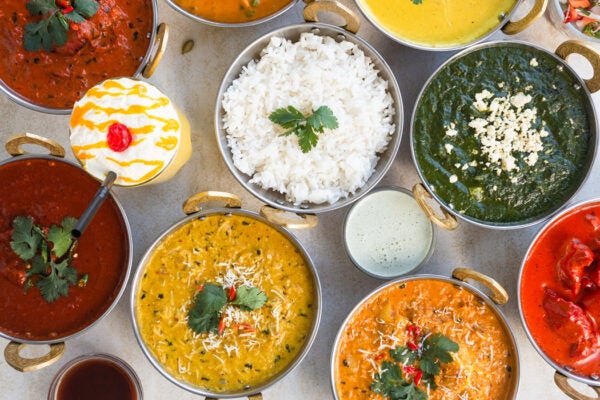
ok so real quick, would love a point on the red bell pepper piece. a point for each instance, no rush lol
(571, 323)
(570, 268)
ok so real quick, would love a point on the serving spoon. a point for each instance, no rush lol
(93, 207)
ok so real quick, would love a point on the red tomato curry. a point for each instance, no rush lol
(111, 43)
(49, 190)
(560, 290)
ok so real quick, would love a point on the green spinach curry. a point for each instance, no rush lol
(502, 134)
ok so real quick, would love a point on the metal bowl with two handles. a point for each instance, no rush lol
(47, 189)
(277, 200)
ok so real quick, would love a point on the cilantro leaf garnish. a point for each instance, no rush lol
(206, 313)
(249, 298)
(52, 29)
(420, 360)
(417, 1)
(391, 384)
(306, 128)
(46, 254)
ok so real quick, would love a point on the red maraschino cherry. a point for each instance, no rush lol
(119, 137)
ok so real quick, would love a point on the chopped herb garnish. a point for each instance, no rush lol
(417, 1)
(206, 314)
(306, 128)
(419, 361)
(53, 27)
(47, 254)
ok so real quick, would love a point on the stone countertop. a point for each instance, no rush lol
(192, 81)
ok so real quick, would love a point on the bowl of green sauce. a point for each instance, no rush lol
(504, 134)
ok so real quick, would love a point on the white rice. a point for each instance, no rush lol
(307, 74)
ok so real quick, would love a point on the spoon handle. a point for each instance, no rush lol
(97, 201)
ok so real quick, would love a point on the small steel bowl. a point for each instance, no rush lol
(276, 199)
(207, 21)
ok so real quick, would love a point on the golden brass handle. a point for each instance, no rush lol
(194, 203)
(162, 37)
(447, 221)
(499, 295)
(279, 217)
(14, 359)
(314, 7)
(257, 396)
(563, 384)
(511, 28)
(13, 144)
(576, 47)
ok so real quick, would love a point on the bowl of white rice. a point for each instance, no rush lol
(309, 66)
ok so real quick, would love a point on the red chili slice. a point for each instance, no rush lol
(231, 293)
(119, 137)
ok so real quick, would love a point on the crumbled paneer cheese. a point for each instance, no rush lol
(453, 178)
(450, 131)
(507, 130)
(448, 147)
(533, 62)
(501, 85)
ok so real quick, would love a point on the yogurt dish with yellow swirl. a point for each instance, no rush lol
(130, 127)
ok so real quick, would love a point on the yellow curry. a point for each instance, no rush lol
(233, 11)
(394, 328)
(435, 23)
(250, 346)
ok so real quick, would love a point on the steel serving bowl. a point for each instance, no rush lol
(497, 296)
(57, 342)
(557, 17)
(504, 23)
(156, 48)
(193, 207)
(562, 373)
(207, 21)
(585, 87)
(276, 199)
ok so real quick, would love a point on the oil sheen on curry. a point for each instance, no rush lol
(233, 11)
(112, 42)
(427, 339)
(560, 290)
(503, 135)
(225, 303)
(434, 23)
(47, 191)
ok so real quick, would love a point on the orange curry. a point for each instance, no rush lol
(233, 11)
(401, 318)
(560, 290)
(111, 43)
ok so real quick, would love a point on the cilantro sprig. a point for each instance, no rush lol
(421, 359)
(206, 314)
(306, 128)
(46, 253)
(53, 27)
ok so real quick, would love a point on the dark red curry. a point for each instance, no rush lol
(560, 290)
(111, 43)
(49, 190)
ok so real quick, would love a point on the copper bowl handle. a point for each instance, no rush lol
(162, 37)
(257, 396)
(314, 7)
(511, 28)
(499, 294)
(446, 221)
(15, 360)
(194, 203)
(13, 144)
(576, 47)
(284, 218)
(563, 384)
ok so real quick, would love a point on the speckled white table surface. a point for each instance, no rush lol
(192, 81)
